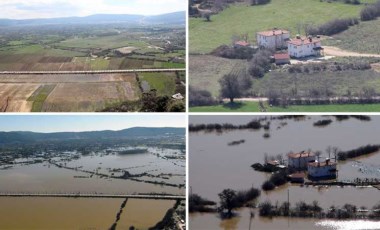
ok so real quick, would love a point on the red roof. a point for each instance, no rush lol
(281, 56)
(303, 41)
(297, 175)
(242, 43)
(302, 154)
(273, 32)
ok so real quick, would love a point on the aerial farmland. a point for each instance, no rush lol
(77, 64)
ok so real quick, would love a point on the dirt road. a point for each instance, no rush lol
(335, 51)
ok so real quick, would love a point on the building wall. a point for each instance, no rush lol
(300, 162)
(303, 50)
(324, 171)
(272, 42)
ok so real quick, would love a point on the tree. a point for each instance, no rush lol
(233, 86)
(228, 200)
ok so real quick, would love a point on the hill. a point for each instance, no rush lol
(170, 18)
(132, 133)
(241, 19)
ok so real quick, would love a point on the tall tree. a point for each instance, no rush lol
(228, 200)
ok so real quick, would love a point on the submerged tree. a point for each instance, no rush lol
(228, 201)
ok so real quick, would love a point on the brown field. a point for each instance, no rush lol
(55, 59)
(13, 97)
(73, 93)
(87, 97)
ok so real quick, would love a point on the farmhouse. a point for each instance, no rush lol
(300, 160)
(318, 169)
(273, 39)
(303, 47)
(281, 58)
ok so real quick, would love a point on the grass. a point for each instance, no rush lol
(338, 82)
(206, 70)
(254, 107)
(361, 38)
(163, 83)
(39, 97)
(241, 19)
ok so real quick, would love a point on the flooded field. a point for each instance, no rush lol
(66, 213)
(214, 166)
(93, 180)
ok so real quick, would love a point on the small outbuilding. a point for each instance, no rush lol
(282, 58)
(297, 177)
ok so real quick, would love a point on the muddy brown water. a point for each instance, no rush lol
(214, 166)
(67, 213)
(90, 213)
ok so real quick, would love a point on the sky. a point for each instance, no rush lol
(27, 9)
(77, 123)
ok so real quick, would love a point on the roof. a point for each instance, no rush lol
(242, 43)
(303, 41)
(270, 33)
(273, 163)
(322, 164)
(297, 175)
(301, 154)
(281, 56)
(178, 96)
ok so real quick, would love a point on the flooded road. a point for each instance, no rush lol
(214, 165)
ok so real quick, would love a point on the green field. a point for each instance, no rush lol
(241, 19)
(254, 107)
(363, 38)
(163, 83)
(39, 97)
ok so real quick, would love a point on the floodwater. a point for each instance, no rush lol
(214, 166)
(45, 177)
(84, 213)
(89, 213)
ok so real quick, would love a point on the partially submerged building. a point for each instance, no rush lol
(273, 39)
(301, 47)
(325, 169)
(298, 177)
(300, 160)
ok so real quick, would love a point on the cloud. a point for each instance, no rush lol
(23, 9)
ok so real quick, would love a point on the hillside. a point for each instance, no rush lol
(171, 18)
(363, 38)
(137, 132)
(242, 19)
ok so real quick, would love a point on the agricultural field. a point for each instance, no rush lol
(237, 20)
(105, 47)
(206, 70)
(66, 93)
(164, 83)
(82, 92)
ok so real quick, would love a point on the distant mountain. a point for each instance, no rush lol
(176, 18)
(137, 132)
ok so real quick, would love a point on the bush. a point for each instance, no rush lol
(260, 63)
(199, 97)
(267, 186)
(370, 12)
(332, 27)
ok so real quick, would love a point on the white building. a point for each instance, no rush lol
(273, 39)
(322, 169)
(303, 47)
(300, 160)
